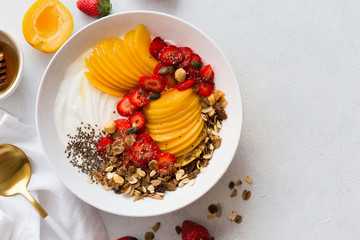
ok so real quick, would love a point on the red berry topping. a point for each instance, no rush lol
(139, 97)
(194, 231)
(206, 73)
(170, 81)
(192, 72)
(166, 159)
(144, 137)
(125, 107)
(122, 125)
(156, 46)
(187, 52)
(126, 158)
(205, 89)
(138, 118)
(127, 238)
(143, 152)
(196, 58)
(152, 83)
(171, 55)
(163, 65)
(186, 84)
(102, 145)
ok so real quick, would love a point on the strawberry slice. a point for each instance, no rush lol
(121, 126)
(170, 81)
(139, 97)
(125, 107)
(187, 52)
(126, 158)
(161, 65)
(196, 58)
(206, 73)
(156, 46)
(205, 89)
(171, 55)
(194, 231)
(137, 118)
(189, 83)
(143, 152)
(144, 137)
(152, 83)
(165, 163)
(102, 145)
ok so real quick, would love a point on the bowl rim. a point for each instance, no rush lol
(232, 153)
(20, 55)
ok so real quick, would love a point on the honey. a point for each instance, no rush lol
(12, 65)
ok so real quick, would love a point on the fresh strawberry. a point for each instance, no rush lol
(144, 137)
(139, 97)
(189, 83)
(171, 55)
(187, 52)
(126, 158)
(144, 151)
(152, 83)
(121, 126)
(137, 118)
(194, 231)
(196, 58)
(206, 73)
(161, 65)
(165, 163)
(192, 72)
(205, 89)
(102, 145)
(127, 238)
(125, 107)
(156, 46)
(94, 8)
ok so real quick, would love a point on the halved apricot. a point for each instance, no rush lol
(47, 24)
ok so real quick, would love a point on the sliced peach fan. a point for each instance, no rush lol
(47, 24)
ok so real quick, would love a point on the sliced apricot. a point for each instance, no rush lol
(47, 24)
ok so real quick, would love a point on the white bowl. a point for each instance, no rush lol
(11, 41)
(168, 27)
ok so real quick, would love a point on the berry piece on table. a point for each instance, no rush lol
(138, 119)
(156, 46)
(152, 83)
(102, 145)
(206, 73)
(171, 55)
(165, 159)
(139, 97)
(186, 84)
(94, 8)
(127, 238)
(194, 231)
(125, 107)
(205, 89)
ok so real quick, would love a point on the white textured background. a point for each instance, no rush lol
(298, 66)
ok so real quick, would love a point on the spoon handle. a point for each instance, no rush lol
(57, 229)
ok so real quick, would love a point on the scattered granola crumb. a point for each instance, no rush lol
(178, 230)
(246, 194)
(156, 227)
(231, 185)
(238, 219)
(210, 216)
(234, 193)
(213, 208)
(218, 213)
(149, 236)
(232, 216)
(248, 179)
(212, 238)
(238, 183)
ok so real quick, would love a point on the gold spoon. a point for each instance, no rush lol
(15, 173)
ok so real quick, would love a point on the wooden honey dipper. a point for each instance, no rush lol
(3, 75)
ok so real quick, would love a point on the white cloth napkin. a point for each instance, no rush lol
(19, 220)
